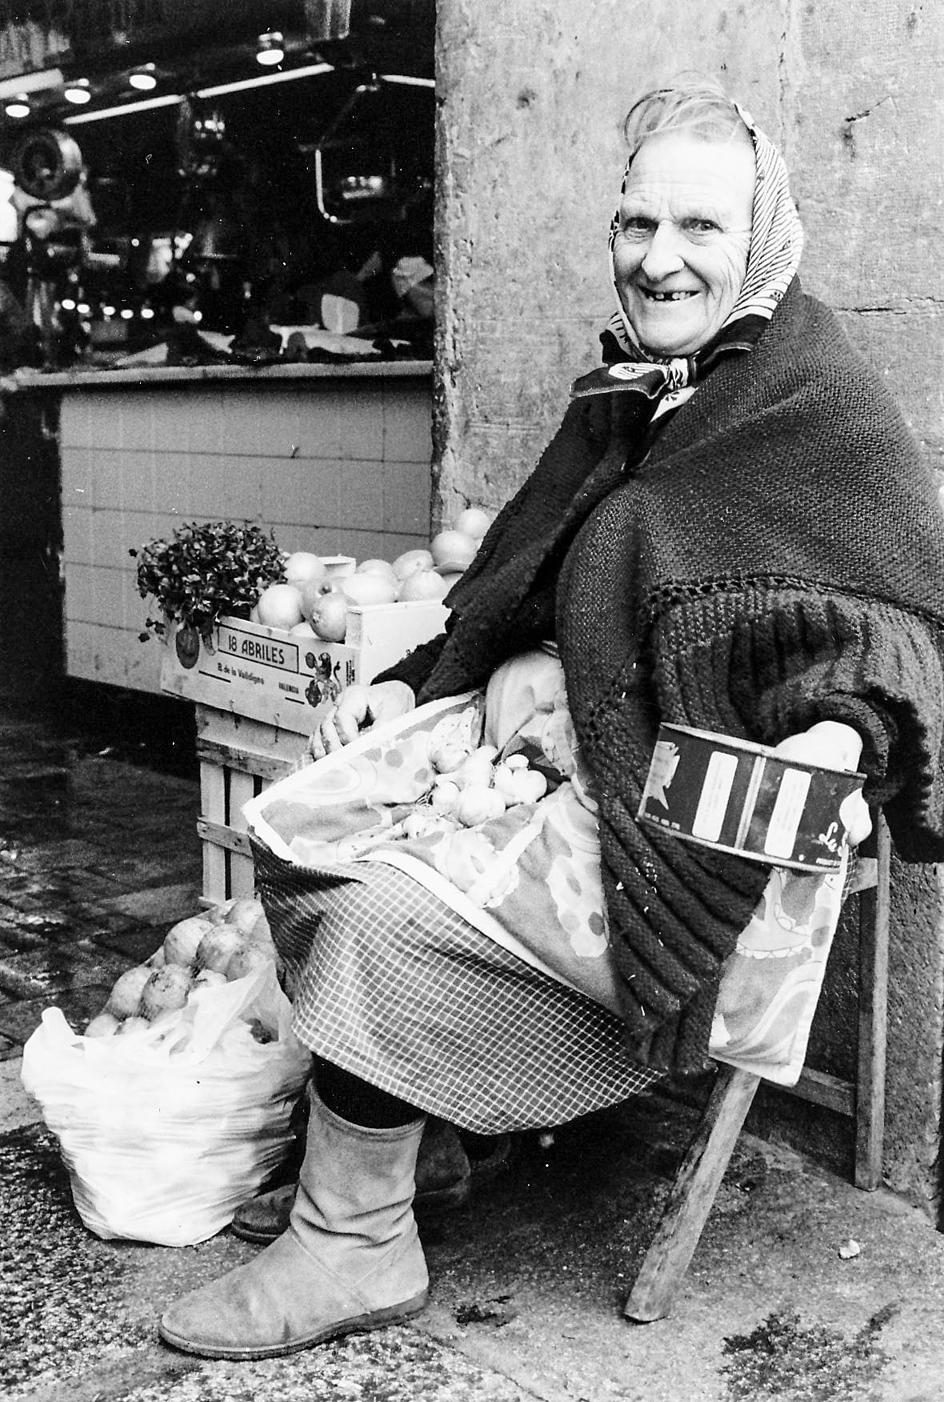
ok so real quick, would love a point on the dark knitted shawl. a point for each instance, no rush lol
(773, 557)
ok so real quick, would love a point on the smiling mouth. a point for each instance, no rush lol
(653, 296)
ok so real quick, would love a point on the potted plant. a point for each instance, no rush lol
(205, 571)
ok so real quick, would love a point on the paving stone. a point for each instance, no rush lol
(135, 873)
(19, 1019)
(160, 903)
(80, 1317)
(31, 828)
(60, 856)
(25, 775)
(53, 971)
(73, 895)
(63, 1287)
(135, 944)
(17, 1108)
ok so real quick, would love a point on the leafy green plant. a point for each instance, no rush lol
(204, 571)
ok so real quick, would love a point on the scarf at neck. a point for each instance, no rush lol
(773, 258)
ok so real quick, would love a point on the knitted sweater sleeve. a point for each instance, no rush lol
(870, 664)
(416, 665)
(792, 658)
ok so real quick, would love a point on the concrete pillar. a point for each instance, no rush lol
(532, 96)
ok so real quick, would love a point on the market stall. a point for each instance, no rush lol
(334, 458)
(217, 284)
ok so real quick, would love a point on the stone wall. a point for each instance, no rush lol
(532, 97)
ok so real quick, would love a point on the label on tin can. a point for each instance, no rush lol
(744, 798)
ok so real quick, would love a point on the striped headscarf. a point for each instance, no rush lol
(773, 259)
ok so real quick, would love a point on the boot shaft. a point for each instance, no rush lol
(349, 1172)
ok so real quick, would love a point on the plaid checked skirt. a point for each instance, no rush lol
(393, 986)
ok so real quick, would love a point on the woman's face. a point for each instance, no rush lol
(680, 251)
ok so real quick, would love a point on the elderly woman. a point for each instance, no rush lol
(731, 530)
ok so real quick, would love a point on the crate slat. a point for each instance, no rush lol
(239, 757)
(223, 837)
(266, 767)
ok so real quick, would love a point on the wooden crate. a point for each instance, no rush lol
(239, 757)
(283, 680)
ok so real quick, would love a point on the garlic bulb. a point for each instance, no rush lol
(477, 803)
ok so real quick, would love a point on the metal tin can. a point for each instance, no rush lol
(744, 798)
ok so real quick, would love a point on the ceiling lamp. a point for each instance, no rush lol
(78, 91)
(143, 78)
(18, 107)
(271, 48)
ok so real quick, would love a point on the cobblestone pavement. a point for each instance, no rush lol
(98, 855)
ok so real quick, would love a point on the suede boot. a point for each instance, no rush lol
(350, 1259)
(442, 1183)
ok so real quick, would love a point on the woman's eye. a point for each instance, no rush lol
(701, 226)
(635, 224)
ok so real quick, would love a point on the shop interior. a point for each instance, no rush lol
(224, 190)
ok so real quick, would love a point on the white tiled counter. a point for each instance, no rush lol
(335, 458)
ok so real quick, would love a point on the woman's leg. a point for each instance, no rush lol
(443, 1168)
(351, 1258)
(357, 1101)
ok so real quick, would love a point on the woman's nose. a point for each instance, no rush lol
(663, 256)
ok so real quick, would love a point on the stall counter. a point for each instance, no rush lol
(335, 458)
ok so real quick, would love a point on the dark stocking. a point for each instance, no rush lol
(358, 1102)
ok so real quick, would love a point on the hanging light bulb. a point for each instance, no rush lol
(18, 107)
(78, 91)
(271, 48)
(143, 78)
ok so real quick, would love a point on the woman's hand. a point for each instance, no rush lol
(359, 708)
(832, 745)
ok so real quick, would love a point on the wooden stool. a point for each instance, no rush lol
(702, 1169)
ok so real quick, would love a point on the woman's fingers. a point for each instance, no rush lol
(338, 727)
(346, 723)
(830, 744)
(833, 745)
(325, 738)
(854, 813)
(359, 707)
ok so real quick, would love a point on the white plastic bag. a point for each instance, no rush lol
(165, 1132)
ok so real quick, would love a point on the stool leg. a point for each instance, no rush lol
(693, 1192)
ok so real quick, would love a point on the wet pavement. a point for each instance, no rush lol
(98, 856)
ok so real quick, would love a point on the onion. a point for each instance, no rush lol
(183, 939)
(104, 1025)
(368, 589)
(477, 804)
(302, 566)
(412, 560)
(445, 755)
(329, 617)
(245, 960)
(473, 522)
(422, 584)
(381, 567)
(134, 1024)
(280, 606)
(217, 948)
(165, 991)
(209, 978)
(445, 797)
(243, 913)
(453, 550)
(313, 592)
(125, 996)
